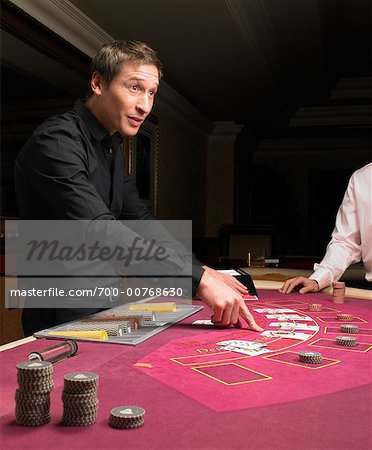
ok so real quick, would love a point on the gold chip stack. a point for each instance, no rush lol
(111, 328)
(33, 395)
(345, 317)
(338, 294)
(79, 396)
(315, 307)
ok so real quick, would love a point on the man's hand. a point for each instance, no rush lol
(227, 279)
(226, 303)
(308, 285)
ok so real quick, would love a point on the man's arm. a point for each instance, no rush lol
(343, 249)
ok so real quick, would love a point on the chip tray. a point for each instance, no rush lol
(163, 320)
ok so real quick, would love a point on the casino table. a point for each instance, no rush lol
(199, 396)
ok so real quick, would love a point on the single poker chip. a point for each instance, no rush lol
(125, 417)
(349, 328)
(345, 317)
(346, 341)
(308, 357)
(315, 307)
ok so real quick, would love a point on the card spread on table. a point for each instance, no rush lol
(274, 310)
(242, 344)
(286, 334)
(250, 348)
(246, 351)
(294, 326)
(288, 317)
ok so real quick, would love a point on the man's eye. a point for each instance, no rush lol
(134, 87)
(152, 93)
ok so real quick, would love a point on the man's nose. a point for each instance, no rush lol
(144, 103)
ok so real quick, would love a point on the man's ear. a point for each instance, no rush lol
(97, 83)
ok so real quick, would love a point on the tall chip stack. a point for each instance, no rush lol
(338, 294)
(33, 395)
(79, 397)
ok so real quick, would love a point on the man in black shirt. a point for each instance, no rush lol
(72, 168)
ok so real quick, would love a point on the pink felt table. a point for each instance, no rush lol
(197, 396)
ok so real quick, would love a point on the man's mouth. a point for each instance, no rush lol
(135, 121)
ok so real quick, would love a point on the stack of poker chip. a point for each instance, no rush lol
(125, 417)
(142, 315)
(345, 317)
(338, 294)
(310, 357)
(111, 328)
(33, 395)
(315, 307)
(349, 328)
(116, 319)
(346, 341)
(79, 397)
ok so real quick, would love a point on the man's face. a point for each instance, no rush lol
(129, 98)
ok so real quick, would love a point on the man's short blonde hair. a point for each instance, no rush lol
(110, 57)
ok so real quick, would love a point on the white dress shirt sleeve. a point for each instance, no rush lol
(345, 245)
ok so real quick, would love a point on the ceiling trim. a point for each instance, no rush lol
(67, 21)
(25, 28)
(75, 27)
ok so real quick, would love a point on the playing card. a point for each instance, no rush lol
(242, 344)
(246, 351)
(203, 322)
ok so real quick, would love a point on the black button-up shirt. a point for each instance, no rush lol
(70, 168)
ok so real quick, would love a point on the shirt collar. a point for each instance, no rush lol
(95, 128)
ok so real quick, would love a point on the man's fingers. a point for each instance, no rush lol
(247, 316)
(290, 284)
(227, 315)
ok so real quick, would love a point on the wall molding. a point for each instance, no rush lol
(225, 131)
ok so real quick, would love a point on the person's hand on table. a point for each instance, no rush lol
(227, 279)
(226, 303)
(308, 285)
